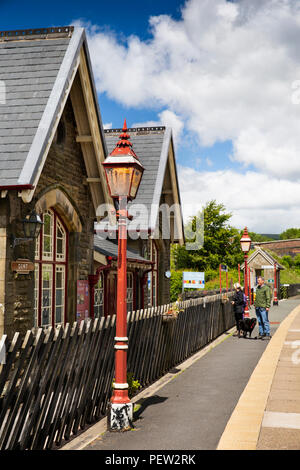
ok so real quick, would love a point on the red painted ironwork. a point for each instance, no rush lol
(120, 396)
(246, 311)
(275, 301)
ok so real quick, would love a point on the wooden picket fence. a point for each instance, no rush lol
(57, 382)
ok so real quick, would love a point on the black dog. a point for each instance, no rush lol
(247, 325)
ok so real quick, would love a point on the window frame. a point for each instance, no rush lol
(40, 261)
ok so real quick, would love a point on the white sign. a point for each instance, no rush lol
(193, 280)
(267, 267)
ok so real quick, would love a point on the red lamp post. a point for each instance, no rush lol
(123, 172)
(245, 242)
(275, 300)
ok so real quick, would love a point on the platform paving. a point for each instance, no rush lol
(213, 403)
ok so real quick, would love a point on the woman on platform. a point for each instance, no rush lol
(238, 306)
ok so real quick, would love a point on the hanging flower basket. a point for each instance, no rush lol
(172, 313)
(225, 298)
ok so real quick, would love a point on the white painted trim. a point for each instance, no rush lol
(120, 386)
(99, 258)
(121, 346)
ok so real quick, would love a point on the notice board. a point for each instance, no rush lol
(82, 311)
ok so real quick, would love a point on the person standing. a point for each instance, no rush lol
(238, 306)
(262, 305)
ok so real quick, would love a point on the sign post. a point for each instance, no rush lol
(223, 267)
(193, 280)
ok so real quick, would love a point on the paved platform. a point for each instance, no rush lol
(267, 415)
(237, 393)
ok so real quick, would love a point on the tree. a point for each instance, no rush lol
(290, 233)
(287, 261)
(296, 261)
(256, 237)
(221, 242)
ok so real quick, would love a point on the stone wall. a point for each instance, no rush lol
(64, 172)
(281, 247)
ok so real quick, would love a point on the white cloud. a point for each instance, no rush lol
(166, 118)
(224, 71)
(256, 200)
(107, 125)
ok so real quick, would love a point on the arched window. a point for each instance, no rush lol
(51, 271)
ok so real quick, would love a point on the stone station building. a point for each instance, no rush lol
(52, 145)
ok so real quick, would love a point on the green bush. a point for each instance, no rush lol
(287, 261)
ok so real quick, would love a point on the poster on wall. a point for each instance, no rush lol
(82, 311)
(193, 280)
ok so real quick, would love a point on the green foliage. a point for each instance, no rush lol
(296, 261)
(221, 241)
(133, 385)
(256, 237)
(175, 285)
(288, 261)
(290, 233)
(221, 245)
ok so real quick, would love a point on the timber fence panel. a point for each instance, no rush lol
(57, 381)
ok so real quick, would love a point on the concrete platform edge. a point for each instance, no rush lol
(243, 428)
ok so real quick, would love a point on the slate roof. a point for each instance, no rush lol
(35, 68)
(110, 248)
(151, 145)
(268, 257)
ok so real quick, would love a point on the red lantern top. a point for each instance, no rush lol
(123, 169)
(124, 145)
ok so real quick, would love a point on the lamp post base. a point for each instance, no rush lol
(120, 416)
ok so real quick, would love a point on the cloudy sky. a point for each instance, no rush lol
(225, 75)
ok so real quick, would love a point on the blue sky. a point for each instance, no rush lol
(220, 73)
(123, 19)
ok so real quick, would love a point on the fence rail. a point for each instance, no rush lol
(56, 382)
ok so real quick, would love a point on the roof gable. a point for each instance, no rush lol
(29, 69)
(40, 77)
(154, 148)
(266, 256)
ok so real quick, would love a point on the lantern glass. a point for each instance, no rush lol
(136, 179)
(119, 180)
(32, 226)
(245, 245)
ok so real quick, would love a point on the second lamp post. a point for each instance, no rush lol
(245, 242)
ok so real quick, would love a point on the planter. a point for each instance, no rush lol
(168, 317)
(225, 299)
